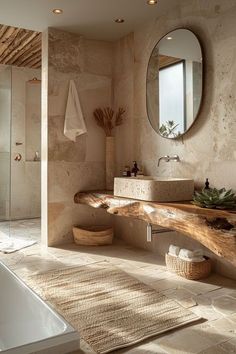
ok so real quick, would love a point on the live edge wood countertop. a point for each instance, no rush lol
(215, 229)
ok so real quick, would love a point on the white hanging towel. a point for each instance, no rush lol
(74, 120)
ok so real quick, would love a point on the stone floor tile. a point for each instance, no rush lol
(225, 305)
(221, 292)
(178, 294)
(232, 293)
(221, 281)
(203, 337)
(226, 326)
(203, 300)
(214, 350)
(195, 287)
(198, 287)
(185, 341)
(160, 267)
(152, 259)
(206, 312)
(204, 308)
(187, 303)
(229, 347)
(232, 317)
(212, 333)
(148, 348)
(165, 284)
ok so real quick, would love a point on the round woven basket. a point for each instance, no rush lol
(188, 270)
(93, 235)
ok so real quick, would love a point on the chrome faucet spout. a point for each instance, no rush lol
(175, 158)
(168, 158)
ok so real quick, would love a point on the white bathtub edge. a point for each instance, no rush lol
(65, 342)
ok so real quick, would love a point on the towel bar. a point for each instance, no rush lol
(151, 232)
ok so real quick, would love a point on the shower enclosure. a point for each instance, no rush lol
(5, 145)
(20, 137)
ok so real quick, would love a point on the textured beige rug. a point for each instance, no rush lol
(109, 308)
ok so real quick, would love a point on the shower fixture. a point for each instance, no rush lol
(34, 81)
(18, 157)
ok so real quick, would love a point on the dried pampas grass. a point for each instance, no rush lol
(104, 118)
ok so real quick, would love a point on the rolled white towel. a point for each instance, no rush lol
(174, 250)
(184, 253)
(193, 259)
(198, 253)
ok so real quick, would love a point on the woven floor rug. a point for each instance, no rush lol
(110, 308)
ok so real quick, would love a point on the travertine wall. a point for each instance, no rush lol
(73, 166)
(209, 148)
(123, 93)
(115, 73)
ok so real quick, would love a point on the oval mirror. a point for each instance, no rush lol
(175, 83)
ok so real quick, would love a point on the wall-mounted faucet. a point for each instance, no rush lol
(168, 158)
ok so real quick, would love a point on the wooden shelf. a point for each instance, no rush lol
(215, 229)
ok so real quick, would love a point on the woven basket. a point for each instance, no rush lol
(93, 235)
(188, 270)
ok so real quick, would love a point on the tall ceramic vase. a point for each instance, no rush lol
(110, 162)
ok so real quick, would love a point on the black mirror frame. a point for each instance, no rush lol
(203, 85)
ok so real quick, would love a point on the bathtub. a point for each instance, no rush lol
(28, 324)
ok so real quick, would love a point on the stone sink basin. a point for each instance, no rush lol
(155, 189)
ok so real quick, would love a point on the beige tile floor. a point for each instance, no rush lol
(29, 229)
(213, 299)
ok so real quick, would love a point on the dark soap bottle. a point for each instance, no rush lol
(207, 184)
(135, 169)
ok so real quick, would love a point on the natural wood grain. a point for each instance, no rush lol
(20, 47)
(3, 29)
(37, 65)
(165, 60)
(33, 59)
(215, 229)
(8, 43)
(34, 48)
(17, 56)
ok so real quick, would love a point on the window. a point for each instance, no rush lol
(172, 97)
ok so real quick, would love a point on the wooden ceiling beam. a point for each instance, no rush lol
(3, 30)
(26, 53)
(33, 60)
(26, 47)
(7, 38)
(12, 42)
(20, 47)
(37, 65)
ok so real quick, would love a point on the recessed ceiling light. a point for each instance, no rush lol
(57, 11)
(169, 38)
(119, 20)
(151, 2)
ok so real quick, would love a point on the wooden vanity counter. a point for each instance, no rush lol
(215, 229)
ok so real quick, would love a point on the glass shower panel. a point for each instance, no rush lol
(25, 136)
(5, 147)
